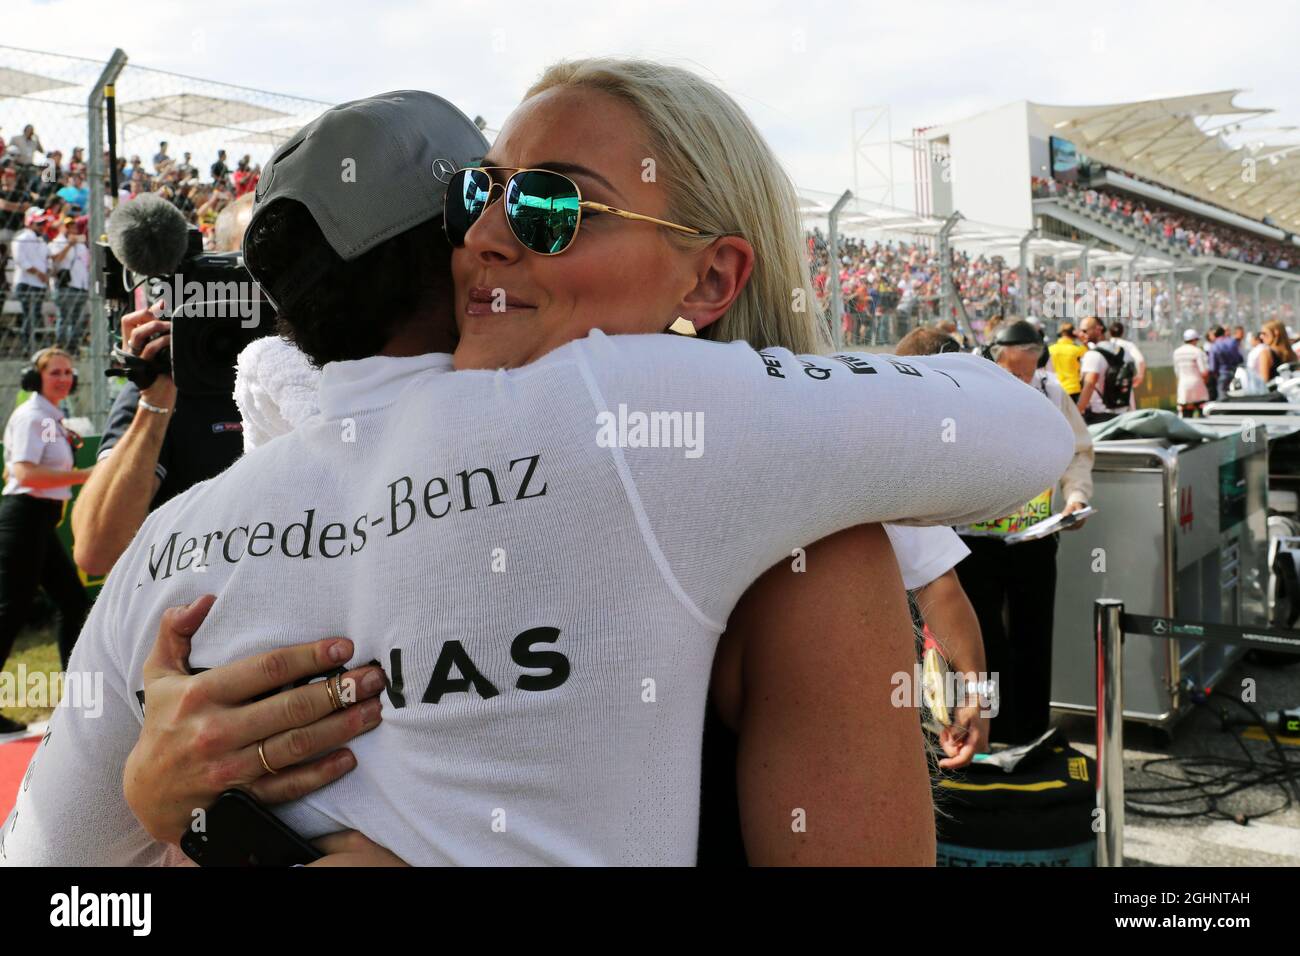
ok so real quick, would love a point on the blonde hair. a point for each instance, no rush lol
(722, 178)
(1281, 344)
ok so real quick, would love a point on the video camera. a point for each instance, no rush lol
(212, 301)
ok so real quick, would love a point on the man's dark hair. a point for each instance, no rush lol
(1219, 330)
(335, 310)
(1117, 329)
(926, 342)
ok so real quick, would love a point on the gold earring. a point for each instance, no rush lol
(681, 326)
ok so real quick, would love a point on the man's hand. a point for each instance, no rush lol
(967, 736)
(138, 329)
(1070, 509)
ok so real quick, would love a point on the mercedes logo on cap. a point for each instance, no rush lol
(443, 170)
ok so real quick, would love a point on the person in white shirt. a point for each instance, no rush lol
(1106, 372)
(70, 259)
(1191, 370)
(31, 256)
(27, 145)
(39, 475)
(526, 697)
(1116, 331)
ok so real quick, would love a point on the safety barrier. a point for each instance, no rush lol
(1111, 624)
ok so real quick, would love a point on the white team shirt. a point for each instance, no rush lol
(35, 434)
(30, 251)
(1190, 368)
(1092, 362)
(925, 554)
(522, 556)
(77, 262)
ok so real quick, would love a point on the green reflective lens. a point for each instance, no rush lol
(542, 208)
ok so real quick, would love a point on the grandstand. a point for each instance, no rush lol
(1161, 181)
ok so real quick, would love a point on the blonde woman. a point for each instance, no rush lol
(622, 562)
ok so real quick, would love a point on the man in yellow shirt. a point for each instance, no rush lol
(1067, 352)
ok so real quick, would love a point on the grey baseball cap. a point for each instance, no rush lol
(371, 169)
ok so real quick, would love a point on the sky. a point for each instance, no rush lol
(800, 69)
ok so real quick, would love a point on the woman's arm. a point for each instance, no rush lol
(787, 449)
(829, 771)
(38, 476)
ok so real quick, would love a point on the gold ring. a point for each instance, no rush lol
(338, 691)
(331, 694)
(262, 755)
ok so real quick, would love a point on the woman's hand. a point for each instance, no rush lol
(352, 848)
(201, 732)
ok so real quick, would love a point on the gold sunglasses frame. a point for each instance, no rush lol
(582, 204)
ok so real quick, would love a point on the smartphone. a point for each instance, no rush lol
(239, 831)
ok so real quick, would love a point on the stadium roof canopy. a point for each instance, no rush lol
(271, 137)
(185, 113)
(1186, 143)
(22, 83)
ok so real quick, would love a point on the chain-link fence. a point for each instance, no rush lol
(198, 143)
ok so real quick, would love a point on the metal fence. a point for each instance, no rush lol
(899, 271)
(894, 270)
(66, 100)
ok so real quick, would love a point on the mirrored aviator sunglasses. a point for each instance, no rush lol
(543, 208)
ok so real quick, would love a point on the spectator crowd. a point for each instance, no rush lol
(44, 216)
(1178, 230)
(890, 287)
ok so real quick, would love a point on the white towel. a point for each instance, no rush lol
(275, 388)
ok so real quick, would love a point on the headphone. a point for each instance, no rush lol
(31, 380)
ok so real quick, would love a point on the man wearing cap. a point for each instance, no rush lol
(1013, 586)
(32, 271)
(1192, 371)
(71, 261)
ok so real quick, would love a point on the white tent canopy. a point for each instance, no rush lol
(182, 114)
(14, 83)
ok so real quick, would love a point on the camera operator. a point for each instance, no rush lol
(154, 447)
(158, 441)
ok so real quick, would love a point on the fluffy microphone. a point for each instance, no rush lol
(148, 235)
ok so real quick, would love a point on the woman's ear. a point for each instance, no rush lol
(724, 268)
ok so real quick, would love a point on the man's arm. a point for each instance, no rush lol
(1076, 483)
(948, 613)
(115, 501)
(829, 771)
(1089, 386)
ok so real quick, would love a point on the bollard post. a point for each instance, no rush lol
(1108, 615)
